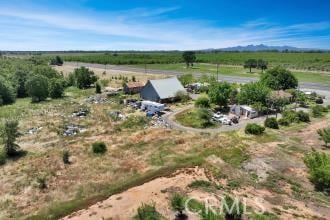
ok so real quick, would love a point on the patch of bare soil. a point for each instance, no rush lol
(125, 205)
(309, 135)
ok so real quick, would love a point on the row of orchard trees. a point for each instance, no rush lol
(27, 78)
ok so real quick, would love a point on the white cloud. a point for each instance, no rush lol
(142, 29)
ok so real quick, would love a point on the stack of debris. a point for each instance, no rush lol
(71, 130)
(33, 130)
(96, 99)
(80, 113)
(116, 115)
(159, 122)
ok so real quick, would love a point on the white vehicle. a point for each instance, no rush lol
(223, 119)
(152, 106)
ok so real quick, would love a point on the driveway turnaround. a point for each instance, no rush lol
(170, 119)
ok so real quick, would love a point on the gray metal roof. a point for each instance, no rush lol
(167, 88)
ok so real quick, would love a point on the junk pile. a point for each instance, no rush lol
(33, 130)
(116, 115)
(80, 113)
(72, 129)
(158, 122)
(96, 99)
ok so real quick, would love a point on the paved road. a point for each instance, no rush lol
(231, 79)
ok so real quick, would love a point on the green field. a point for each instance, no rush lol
(304, 76)
(302, 61)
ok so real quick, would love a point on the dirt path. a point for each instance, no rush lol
(125, 205)
(170, 119)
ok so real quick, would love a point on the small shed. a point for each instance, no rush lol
(244, 110)
(161, 90)
(132, 87)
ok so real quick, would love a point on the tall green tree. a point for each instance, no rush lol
(7, 92)
(279, 78)
(252, 93)
(37, 88)
(251, 63)
(84, 77)
(262, 64)
(9, 135)
(219, 93)
(189, 57)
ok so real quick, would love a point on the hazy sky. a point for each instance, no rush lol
(162, 24)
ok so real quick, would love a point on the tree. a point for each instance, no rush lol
(219, 93)
(186, 79)
(66, 157)
(253, 92)
(20, 77)
(251, 63)
(133, 79)
(56, 88)
(324, 135)
(203, 101)
(262, 64)
(9, 135)
(189, 57)
(7, 93)
(56, 61)
(46, 71)
(84, 77)
(99, 147)
(279, 78)
(37, 88)
(205, 116)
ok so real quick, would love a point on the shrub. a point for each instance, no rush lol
(324, 135)
(99, 147)
(233, 209)
(253, 128)
(271, 123)
(37, 87)
(3, 158)
(56, 88)
(178, 204)
(291, 116)
(147, 212)
(65, 157)
(134, 122)
(319, 100)
(319, 169)
(42, 184)
(203, 102)
(98, 88)
(303, 116)
(9, 134)
(7, 93)
(283, 122)
(319, 110)
(181, 96)
(200, 184)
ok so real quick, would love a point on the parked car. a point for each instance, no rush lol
(223, 119)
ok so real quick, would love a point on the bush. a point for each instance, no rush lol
(319, 169)
(290, 116)
(148, 212)
(319, 110)
(203, 102)
(284, 122)
(98, 88)
(319, 100)
(65, 157)
(271, 123)
(7, 93)
(37, 87)
(303, 116)
(324, 135)
(99, 147)
(42, 184)
(232, 209)
(56, 88)
(178, 204)
(134, 122)
(253, 128)
(182, 96)
(3, 158)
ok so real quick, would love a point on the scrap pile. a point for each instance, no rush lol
(72, 129)
(96, 99)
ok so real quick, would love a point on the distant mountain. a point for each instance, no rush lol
(263, 47)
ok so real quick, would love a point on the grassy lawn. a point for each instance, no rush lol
(190, 118)
(235, 71)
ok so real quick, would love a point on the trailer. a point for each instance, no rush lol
(152, 106)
